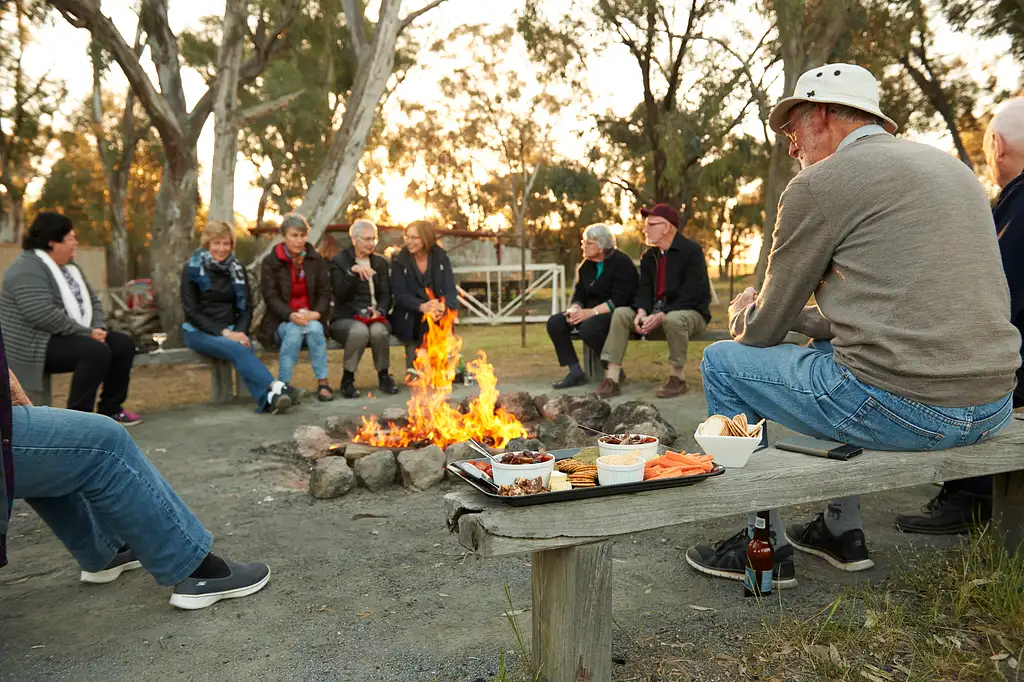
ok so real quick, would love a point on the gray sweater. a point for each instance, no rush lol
(895, 240)
(31, 311)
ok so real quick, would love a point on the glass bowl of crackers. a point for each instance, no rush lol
(729, 441)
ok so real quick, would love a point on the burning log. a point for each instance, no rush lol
(431, 417)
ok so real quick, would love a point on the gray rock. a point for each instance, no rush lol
(540, 401)
(627, 415)
(664, 432)
(356, 451)
(377, 471)
(342, 428)
(398, 415)
(331, 478)
(458, 452)
(562, 432)
(421, 469)
(312, 442)
(518, 444)
(519, 404)
(586, 409)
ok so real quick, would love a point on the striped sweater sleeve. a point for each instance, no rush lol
(31, 294)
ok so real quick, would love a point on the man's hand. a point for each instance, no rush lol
(578, 315)
(18, 395)
(99, 334)
(364, 271)
(237, 337)
(743, 301)
(651, 322)
(298, 318)
(572, 312)
(638, 321)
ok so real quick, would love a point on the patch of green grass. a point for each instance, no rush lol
(957, 615)
(521, 667)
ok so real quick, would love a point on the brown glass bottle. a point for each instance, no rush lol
(757, 579)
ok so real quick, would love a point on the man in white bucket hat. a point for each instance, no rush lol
(896, 242)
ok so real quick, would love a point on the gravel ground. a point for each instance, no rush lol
(369, 587)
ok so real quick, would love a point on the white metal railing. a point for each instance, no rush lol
(495, 310)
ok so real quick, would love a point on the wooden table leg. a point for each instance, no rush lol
(572, 613)
(1008, 508)
(221, 381)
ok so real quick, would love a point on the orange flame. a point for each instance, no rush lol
(431, 417)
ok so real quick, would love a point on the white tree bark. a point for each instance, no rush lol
(225, 106)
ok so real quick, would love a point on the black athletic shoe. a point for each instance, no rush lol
(951, 512)
(348, 388)
(570, 380)
(728, 559)
(295, 394)
(387, 384)
(280, 403)
(198, 593)
(847, 552)
(124, 561)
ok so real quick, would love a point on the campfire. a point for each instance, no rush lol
(432, 419)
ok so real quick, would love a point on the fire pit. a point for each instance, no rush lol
(431, 417)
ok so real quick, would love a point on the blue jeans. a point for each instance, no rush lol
(292, 336)
(255, 374)
(805, 390)
(85, 477)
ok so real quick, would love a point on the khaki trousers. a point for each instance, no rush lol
(679, 326)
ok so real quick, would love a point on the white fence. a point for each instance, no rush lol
(494, 309)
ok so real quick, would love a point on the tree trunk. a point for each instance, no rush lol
(781, 170)
(173, 224)
(225, 106)
(117, 250)
(12, 217)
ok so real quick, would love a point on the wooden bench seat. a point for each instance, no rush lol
(571, 542)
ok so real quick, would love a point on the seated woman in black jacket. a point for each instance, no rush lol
(423, 283)
(605, 280)
(218, 310)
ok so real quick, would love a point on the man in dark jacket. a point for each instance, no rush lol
(362, 299)
(673, 301)
(961, 504)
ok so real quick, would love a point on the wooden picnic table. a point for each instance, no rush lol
(571, 542)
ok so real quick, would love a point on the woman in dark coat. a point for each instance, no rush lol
(605, 280)
(218, 310)
(422, 283)
(296, 285)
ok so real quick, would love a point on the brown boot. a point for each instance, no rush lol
(672, 387)
(608, 388)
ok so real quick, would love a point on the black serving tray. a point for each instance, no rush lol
(581, 493)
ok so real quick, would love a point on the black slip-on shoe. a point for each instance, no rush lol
(198, 593)
(848, 552)
(348, 388)
(951, 512)
(387, 384)
(124, 561)
(570, 380)
(728, 559)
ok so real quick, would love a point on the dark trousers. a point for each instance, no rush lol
(981, 486)
(593, 332)
(93, 363)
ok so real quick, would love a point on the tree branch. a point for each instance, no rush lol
(264, 108)
(355, 21)
(413, 16)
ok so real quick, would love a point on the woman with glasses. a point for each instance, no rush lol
(605, 280)
(362, 299)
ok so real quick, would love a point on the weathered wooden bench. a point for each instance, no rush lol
(572, 542)
(225, 383)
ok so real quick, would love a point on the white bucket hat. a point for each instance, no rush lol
(846, 84)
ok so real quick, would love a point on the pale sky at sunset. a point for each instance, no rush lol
(613, 77)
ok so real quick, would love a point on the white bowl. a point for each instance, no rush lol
(613, 474)
(647, 451)
(506, 474)
(731, 452)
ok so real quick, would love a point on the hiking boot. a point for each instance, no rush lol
(348, 388)
(951, 512)
(387, 384)
(570, 380)
(124, 561)
(848, 552)
(728, 559)
(672, 387)
(198, 593)
(126, 418)
(608, 388)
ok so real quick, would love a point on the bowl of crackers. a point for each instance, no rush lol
(729, 441)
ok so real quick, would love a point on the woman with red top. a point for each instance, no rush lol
(296, 286)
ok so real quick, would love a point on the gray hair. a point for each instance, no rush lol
(1008, 123)
(361, 225)
(294, 221)
(602, 234)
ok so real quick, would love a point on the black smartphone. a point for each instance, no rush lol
(828, 449)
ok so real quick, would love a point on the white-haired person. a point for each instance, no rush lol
(361, 280)
(606, 279)
(896, 242)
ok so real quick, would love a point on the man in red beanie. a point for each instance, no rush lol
(673, 301)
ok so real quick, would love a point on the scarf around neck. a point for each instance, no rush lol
(201, 264)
